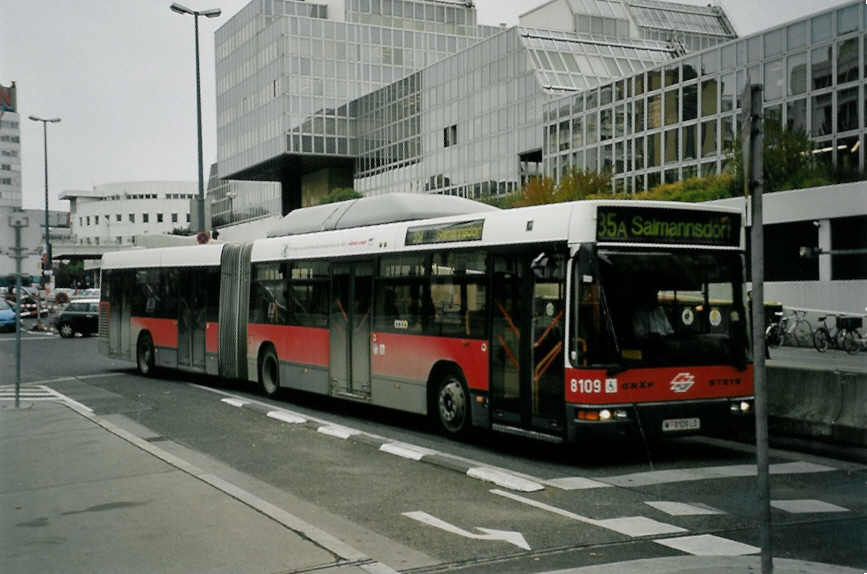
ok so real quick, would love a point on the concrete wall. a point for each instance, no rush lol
(818, 403)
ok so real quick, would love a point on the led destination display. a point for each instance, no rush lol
(668, 226)
(445, 232)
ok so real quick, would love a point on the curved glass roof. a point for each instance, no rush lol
(565, 61)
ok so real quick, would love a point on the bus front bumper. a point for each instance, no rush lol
(733, 414)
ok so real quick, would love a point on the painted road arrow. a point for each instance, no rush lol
(489, 534)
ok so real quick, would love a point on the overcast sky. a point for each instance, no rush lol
(121, 75)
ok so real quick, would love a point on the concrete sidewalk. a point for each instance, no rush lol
(79, 494)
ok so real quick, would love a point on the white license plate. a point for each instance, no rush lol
(670, 425)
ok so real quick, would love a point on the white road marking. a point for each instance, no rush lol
(576, 483)
(632, 526)
(709, 472)
(35, 393)
(234, 402)
(504, 479)
(682, 508)
(337, 431)
(805, 506)
(405, 450)
(378, 568)
(635, 526)
(515, 538)
(286, 417)
(708, 545)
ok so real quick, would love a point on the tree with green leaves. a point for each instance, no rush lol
(340, 194)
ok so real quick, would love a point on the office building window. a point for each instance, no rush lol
(708, 98)
(797, 64)
(174, 218)
(847, 110)
(796, 115)
(774, 80)
(145, 217)
(820, 62)
(159, 217)
(847, 61)
(118, 217)
(708, 138)
(821, 115)
(132, 217)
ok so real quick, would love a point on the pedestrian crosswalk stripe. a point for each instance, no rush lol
(708, 545)
(673, 508)
(38, 393)
(805, 506)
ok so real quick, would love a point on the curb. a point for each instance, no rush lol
(490, 474)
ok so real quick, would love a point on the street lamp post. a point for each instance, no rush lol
(45, 122)
(211, 13)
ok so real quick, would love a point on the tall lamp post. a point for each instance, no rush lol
(45, 122)
(211, 13)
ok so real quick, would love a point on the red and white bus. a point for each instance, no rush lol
(550, 321)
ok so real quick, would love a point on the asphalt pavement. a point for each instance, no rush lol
(80, 493)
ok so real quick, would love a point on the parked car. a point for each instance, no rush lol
(80, 316)
(7, 316)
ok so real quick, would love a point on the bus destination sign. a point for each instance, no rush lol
(624, 224)
(445, 232)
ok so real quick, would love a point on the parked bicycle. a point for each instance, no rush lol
(845, 334)
(792, 329)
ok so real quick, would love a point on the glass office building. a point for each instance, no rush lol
(681, 118)
(469, 125)
(401, 95)
(288, 70)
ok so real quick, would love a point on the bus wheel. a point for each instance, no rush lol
(269, 373)
(145, 355)
(452, 404)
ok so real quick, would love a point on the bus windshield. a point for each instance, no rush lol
(659, 308)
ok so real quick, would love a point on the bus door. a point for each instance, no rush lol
(120, 289)
(192, 314)
(350, 328)
(527, 342)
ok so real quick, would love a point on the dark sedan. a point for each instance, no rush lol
(80, 316)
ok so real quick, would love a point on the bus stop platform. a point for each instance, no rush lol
(81, 494)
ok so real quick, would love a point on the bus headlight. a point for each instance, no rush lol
(604, 415)
(740, 407)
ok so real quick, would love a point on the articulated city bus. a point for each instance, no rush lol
(553, 322)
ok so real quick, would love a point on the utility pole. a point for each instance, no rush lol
(18, 221)
(752, 136)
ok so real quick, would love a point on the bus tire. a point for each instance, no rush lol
(452, 404)
(144, 354)
(269, 372)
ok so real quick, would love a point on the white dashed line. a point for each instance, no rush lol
(234, 402)
(337, 431)
(405, 450)
(286, 417)
(504, 479)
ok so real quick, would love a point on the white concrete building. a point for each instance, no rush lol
(830, 222)
(10, 148)
(115, 213)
